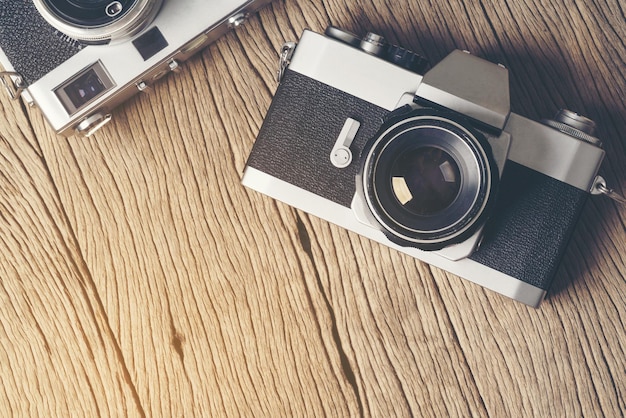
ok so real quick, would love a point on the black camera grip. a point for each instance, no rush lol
(530, 226)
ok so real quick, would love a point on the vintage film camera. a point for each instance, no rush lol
(78, 59)
(431, 163)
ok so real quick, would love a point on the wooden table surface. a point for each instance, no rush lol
(139, 278)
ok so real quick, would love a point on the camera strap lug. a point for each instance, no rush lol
(13, 82)
(286, 52)
(599, 187)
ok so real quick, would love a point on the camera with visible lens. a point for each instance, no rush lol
(427, 160)
(78, 59)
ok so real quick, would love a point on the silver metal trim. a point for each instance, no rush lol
(360, 74)
(13, 82)
(469, 85)
(286, 52)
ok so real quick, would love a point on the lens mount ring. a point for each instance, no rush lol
(428, 179)
(98, 21)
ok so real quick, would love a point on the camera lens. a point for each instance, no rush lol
(98, 21)
(428, 180)
(425, 180)
(90, 13)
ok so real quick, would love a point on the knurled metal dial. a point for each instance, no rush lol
(574, 125)
(407, 59)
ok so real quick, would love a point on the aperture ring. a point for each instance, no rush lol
(101, 24)
(464, 145)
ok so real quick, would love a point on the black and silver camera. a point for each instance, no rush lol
(78, 59)
(431, 163)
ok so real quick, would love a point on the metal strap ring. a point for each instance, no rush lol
(13, 82)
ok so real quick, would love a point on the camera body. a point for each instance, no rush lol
(78, 60)
(431, 163)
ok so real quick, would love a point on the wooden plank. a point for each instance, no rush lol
(58, 356)
(140, 278)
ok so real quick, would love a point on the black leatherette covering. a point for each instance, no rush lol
(300, 129)
(531, 224)
(33, 47)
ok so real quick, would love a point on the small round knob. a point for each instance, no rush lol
(374, 44)
(343, 36)
(341, 157)
(577, 121)
(91, 124)
(574, 125)
(237, 20)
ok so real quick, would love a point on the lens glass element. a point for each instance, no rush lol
(425, 180)
(90, 13)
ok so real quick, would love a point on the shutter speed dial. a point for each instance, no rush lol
(377, 45)
(407, 59)
(575, 125)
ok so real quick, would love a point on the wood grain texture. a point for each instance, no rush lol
(139, 278)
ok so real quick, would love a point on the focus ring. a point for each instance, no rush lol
(416, 225)
(129, 23)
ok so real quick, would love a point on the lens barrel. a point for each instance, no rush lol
(428, 179)
(98, 21)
